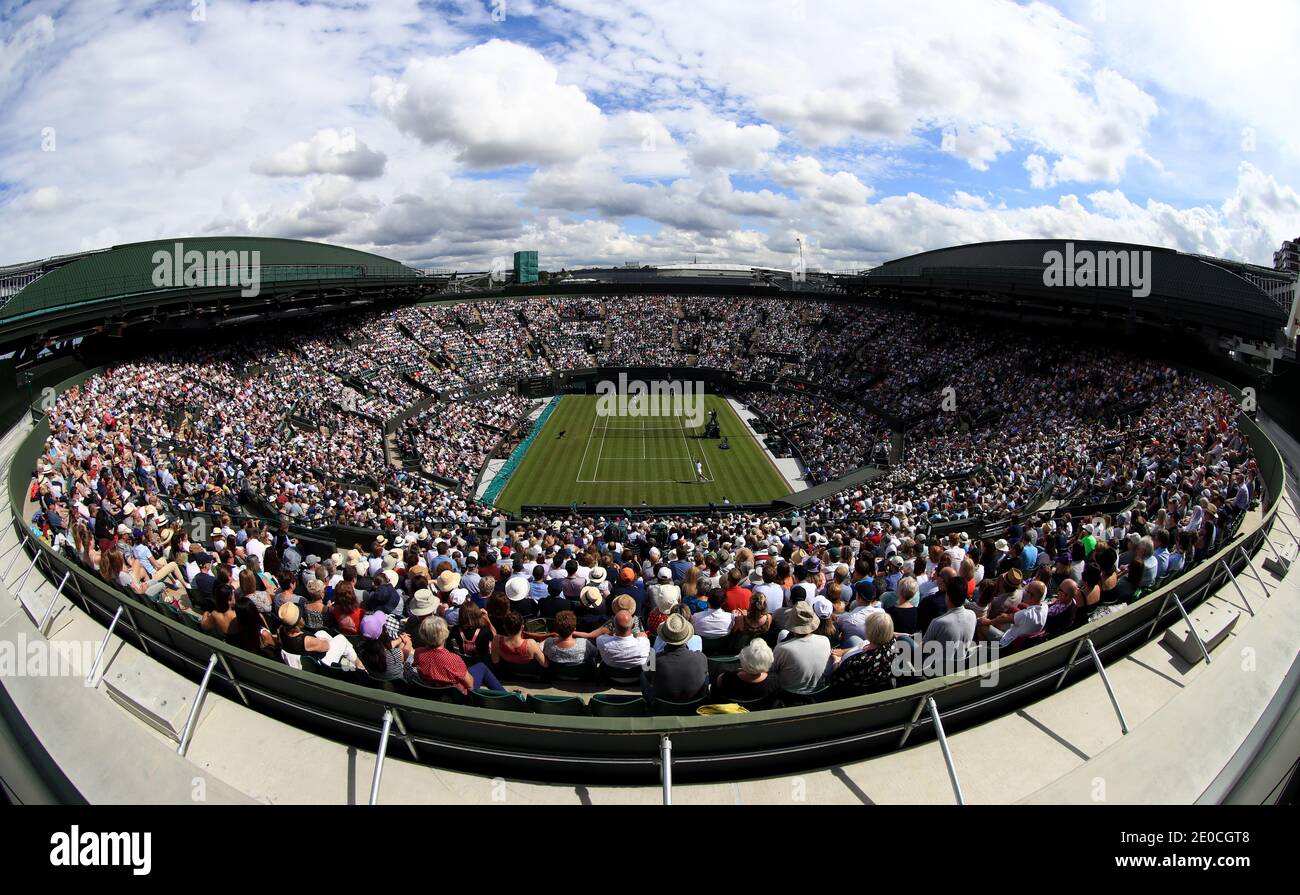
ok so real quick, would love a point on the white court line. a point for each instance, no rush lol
(642, 428)
(596, 472)
(690, 476)
(707, 465)
(584, 453)
(635, 482)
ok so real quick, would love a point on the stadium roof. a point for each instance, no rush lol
(128, 270)
(1187, 288)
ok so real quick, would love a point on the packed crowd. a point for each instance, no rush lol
(454, 441)
(821, 608)
(831, 441)
(1028, 422)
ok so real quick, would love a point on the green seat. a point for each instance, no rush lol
(754, 705)
(536, 626)
(789, 697)
(420, 690)
(500, 700)
(673, 707)
(622, 677)
(524, 671)
(719, 646)
(617, 705)
(557, 705)
(574, 673)
(719, 664)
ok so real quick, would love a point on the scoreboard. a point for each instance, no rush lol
(536, 387)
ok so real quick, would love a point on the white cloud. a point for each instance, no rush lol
(498, 104)
(42, 200)
(994, 72)
(22, 48)
(730, 128)
(805, 175)
(723, 144)
(329, 151)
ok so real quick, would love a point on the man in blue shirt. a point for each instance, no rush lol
(1029, 555)
(1160, 537)
(681, 564)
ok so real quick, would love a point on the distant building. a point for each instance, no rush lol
(1287, 258)
(525, 267)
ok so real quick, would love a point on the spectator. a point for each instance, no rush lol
(872, 668)
(904, 614)
(752, 681)
(678, 673)
(566, 649)
(955, 629)
(622, 649)
(439, 666)
(510, 647)
(715, 622)
(802, 659)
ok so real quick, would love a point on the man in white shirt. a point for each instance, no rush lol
(257, 547)
(1031, 617)
(770, 589)
(622, 650)
(715, 621)
(852, 623)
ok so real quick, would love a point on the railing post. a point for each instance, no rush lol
(194, 708)
(1160, 613)
(379, 756)
(13, 548)
(666, 767)
(1277, 517)
(406, 737)
(49, 610)
(234, 680)
(23, 580)
(1251, 565)
(947, 754)
(1237, 585)
(907, 731)
(1110, 691)
(1069, 666)
(143, 641)
(1191, 627)
(103, 645)
(23, 543)
(35, 556)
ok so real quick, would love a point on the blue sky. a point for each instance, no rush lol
(453, 133)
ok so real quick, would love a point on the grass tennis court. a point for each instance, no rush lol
(627, 460)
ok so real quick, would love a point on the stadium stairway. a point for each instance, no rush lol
(1188, 723)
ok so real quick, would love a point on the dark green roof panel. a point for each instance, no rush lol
(129, 269)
